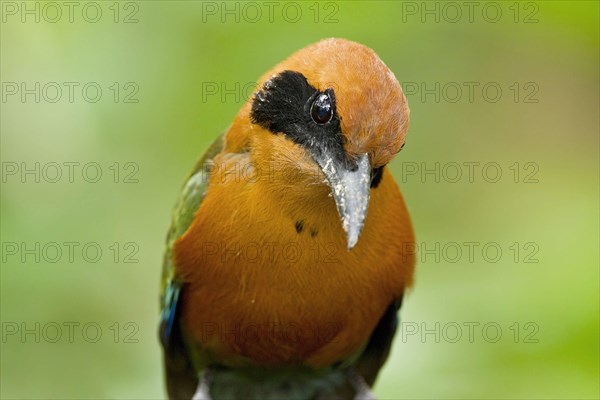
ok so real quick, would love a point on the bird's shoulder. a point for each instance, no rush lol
(186, 206)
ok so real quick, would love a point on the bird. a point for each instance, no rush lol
(290, 246)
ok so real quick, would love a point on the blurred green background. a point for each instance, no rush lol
(543, 57)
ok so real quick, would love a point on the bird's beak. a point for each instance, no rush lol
(350, 188)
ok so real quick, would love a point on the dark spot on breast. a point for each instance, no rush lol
(299, 226)
(313, 232)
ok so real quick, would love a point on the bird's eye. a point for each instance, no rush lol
(321, 110)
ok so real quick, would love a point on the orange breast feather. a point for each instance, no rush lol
(269, 279)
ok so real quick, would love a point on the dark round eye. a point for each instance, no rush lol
(321, 110)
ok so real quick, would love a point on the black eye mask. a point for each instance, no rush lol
(288, 104)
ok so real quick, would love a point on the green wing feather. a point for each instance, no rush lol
(187, 204)
(181, 377)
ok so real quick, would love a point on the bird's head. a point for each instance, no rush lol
(335, 113)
